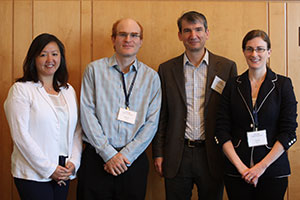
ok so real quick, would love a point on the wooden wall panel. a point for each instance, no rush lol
(293, 71)
(6, 55)
(22, 34)
(86, 34)
(277, 34)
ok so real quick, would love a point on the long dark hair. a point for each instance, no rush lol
(61, 76)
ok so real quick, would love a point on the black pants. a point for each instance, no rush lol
(94, 183)
(34, 190)
(267, 188)
(194, 170)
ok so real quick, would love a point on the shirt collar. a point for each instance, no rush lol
(204, 59)
(112, 62)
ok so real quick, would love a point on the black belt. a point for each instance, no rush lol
(194, 143)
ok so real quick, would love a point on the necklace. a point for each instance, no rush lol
(49, 90)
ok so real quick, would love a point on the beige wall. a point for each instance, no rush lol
(84, 26)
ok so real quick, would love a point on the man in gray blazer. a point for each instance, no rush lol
(184, 149)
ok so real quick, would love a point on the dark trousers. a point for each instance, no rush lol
(94, 183)
(193, 170)
(266, 189)
(34, 190)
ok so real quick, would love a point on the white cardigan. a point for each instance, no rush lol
(34, 128)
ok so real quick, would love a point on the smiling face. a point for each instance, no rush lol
(193, 36)
(48, 61)
(257, 53)
(127, 41)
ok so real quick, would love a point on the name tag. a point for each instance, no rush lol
(218, 85)
(257, 138)
(127, 116)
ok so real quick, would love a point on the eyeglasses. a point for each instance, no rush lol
(125, 35)
(249, 50)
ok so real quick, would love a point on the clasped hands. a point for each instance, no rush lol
(117, 164)
(62, 174)
(251, 175)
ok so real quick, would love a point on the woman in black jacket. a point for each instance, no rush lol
(256, 124)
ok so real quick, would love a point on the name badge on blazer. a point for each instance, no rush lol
(218, 85)
(257, 138)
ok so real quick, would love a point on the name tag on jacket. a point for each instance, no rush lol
(257, 138)
(218, 85)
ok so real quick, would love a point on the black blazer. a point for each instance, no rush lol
(277, 113)
(169, 140)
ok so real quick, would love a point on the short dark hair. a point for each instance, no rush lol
(256, 33)
(115, 25)
(193, 17)
(61, 75)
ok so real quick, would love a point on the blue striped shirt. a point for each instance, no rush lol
(102, 96)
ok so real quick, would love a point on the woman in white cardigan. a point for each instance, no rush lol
(42, 113)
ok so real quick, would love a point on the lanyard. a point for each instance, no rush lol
(127, 95)
(255, 116)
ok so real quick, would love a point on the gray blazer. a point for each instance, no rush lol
(169, 140)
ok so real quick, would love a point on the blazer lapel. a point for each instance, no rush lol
(211, 73)
(244, 88)
(266, 88)
(179, 76)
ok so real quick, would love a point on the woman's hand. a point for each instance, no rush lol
(71, 167)
(257, 170)
(252, 175)
(62, 174)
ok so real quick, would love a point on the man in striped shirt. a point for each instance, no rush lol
(120, 105)
(184, 150)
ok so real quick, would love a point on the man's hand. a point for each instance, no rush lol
(116, 165)
(158, 165)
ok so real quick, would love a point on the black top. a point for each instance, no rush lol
(276, 112)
